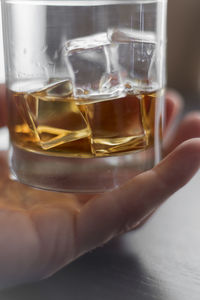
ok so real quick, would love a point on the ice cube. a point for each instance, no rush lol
(95, 68)
(53, 116)
(137, 52)
(87, 42)
(125, 35)
(55, 88)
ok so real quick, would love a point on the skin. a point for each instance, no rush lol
(41, 232)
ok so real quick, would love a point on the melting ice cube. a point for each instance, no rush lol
(124, 35)
(52, 115)
(85, 43)
(137, 56)
(56, 88)
(95, 68)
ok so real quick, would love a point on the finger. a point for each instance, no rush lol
(124, 208)
(189, 128)
(174, 107)
(144, 220)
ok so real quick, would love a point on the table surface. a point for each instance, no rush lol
(159, 261)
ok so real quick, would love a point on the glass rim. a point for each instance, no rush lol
(80, 2)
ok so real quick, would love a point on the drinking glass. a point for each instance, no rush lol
(85, 90)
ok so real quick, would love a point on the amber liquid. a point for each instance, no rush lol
(58, 124)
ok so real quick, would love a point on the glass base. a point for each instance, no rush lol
(77, 175)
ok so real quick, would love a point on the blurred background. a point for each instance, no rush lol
(184, 50)
(183, 53)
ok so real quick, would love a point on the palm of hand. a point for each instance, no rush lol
(43, 231)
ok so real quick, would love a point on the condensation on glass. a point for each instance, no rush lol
(85, 91)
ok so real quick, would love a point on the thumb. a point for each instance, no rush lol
(122, 209)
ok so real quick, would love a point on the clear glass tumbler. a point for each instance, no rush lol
(85, 90)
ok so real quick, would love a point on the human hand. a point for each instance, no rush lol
(41, 232)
